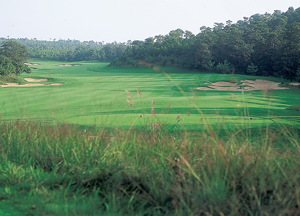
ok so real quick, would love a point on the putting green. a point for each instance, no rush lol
(94, 94)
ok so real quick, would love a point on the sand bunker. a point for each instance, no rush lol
(27, 63)
(30, 85)
(247, 85)
(55, 84)
(224, 84)
(17, 85)
(294, 84)
(68, 65)
(35, 80)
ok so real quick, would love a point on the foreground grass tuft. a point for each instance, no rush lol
(63, 170)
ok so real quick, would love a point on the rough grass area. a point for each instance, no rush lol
(11, 79)
(63, 170)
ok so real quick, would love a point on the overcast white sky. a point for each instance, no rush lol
(122, 20)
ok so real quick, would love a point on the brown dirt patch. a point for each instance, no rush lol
(247, 85)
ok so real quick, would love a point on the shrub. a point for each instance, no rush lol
(224, 67)
(209, 65)
(11, 79)
(252, 69)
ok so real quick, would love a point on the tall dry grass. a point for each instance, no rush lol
(146, 171)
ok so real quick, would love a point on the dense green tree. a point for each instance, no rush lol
(13, 58)
(6, 66)
(290, 59)
(252, 69)
(71, 50)
(262, 44)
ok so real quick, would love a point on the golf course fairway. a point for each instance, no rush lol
(94, 93)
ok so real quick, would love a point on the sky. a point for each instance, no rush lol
(123, 20)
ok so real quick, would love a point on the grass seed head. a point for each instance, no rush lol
(129, 103)
(139, 93)
(168, 107)
(152, 112)
(158, 125)
(129, 94)
(154, 126)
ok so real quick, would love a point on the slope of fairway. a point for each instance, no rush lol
(94, 93)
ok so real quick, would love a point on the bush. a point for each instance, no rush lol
(224, 67)
(11, 79)
(252, 69)
(124, 62)
(209, 65)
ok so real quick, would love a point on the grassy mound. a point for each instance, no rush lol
(11, 79)
(64, 170)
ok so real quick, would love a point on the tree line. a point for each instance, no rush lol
(71, 50)
(263, 44)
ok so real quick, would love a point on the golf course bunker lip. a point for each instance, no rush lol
(247, 85)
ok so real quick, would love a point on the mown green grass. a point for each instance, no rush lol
(95, 94)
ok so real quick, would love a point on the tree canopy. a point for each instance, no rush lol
(12, 58)
(71, 50)
(263, 44)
